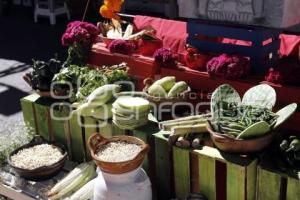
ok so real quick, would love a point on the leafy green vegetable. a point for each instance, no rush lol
(85, 80)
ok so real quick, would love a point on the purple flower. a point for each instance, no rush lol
(79, 32)
(121, 46)
(164, 56)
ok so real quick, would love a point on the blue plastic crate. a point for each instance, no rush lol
(261, 56)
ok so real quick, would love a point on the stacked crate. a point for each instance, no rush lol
(217, 175)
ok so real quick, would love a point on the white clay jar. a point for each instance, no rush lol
(133, 185)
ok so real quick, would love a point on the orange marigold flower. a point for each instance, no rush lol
(110, 7)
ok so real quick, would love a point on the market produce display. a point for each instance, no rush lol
(130, 112)
(249, 118)
(167, 88)
(85, 80)
(41, 76)
(75, 180)
(36, 156)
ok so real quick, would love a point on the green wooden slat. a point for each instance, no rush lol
(90, 127)
(181, 163)
(207, 176)
(145, 133)
(105, 128)
(251, 180)
(28, 111)
(143, 136)
(236, 180)
(268, 185)
(42, 119)
(163, 167)
(116, 130)
(293, 189)
(76, 138)
(58, 128)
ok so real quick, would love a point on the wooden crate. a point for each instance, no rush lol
(72, 131)
(217, 175)
(273, 184)
(258, 50)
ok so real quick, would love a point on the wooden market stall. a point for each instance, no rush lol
(177, 172)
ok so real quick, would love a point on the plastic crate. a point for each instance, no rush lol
(263, 46)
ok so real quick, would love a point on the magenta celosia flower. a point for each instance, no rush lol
(165, 57)
(79, 32)
(121, 46)
(230, 67)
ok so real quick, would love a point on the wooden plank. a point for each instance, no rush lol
(13, 194)
(90, 127)
(105, 128)
(236, 181)
(43, 120)
(28, 110)
(76, 138)
(181, 163)
(251, 180)
(117, 131)
(146, 134)
(57, 123)
(163, 167)
(293, 189)
(207, 179)
(143, 136)
(268, 185)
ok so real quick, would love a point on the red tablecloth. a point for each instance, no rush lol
(174, 34)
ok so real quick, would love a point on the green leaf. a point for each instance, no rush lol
(261, 95)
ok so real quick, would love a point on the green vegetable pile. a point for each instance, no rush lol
(41, 76)
(85, 80)
(167, 87)
(249, 117)
(235, 119)
(290, 148)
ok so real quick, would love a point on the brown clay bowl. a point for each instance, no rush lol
(40, 173)
(233, 145)
(96, 141)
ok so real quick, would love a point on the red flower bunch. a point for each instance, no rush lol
(165, 57)
(79, 32)
(230, 67)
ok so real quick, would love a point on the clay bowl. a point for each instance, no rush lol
(96, 141)
(40, 173)
(233, 145)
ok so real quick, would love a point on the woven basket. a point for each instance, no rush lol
(96, 141)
